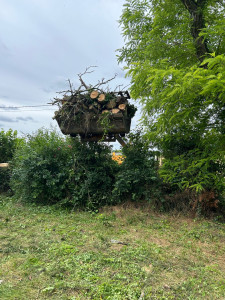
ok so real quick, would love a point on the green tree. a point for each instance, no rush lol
(174, 56)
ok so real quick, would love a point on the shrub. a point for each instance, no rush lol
(93, 174)
(137, 178)
(49, 169)
(41, 168)
(200, 169)
(8, 144)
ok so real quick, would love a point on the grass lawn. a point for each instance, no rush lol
(132, 253)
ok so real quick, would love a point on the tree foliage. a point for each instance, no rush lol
(174, 56)
(158, 30)
(137, 179)
(8, 143)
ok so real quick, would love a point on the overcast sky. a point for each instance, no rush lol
(45, 42)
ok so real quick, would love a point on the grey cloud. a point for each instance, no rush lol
(24, 119)
(61, 85)
(4, 50)
(7, 119)
(11, 120)
(42, 44)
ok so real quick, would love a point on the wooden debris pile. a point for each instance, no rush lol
(94, 112)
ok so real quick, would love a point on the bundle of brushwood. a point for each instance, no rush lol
(93, 113)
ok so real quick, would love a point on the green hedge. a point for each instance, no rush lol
(50, 169)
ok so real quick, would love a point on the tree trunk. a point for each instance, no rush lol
(195, 9)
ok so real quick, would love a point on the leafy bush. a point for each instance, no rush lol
(194, 170)
(93, 174)
(41, 168)
(8, 143)
(48, 169)
(137, 178)
(4, 179)
(196, 166)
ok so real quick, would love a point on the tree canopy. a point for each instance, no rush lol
(174, 54)
(178, 31)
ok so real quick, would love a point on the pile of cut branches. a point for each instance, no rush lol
(87, 109)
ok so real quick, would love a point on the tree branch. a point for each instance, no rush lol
(85, 72)
(104, 81)
(71, 86)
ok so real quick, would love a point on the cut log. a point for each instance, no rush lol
(122, 106)
(115, 110)
(94, 94)
(121, 100)
(101, 97)
(4, 165)
(111, 104)
(105, 111)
